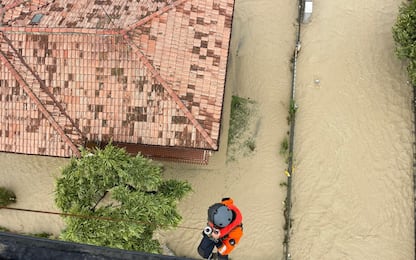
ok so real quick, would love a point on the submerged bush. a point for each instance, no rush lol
(6, 197)
(241, 135)
(239, 118)
(404, 34)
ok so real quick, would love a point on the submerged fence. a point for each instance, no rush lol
(292, 120)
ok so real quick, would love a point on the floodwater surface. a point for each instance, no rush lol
(353, 187)
(353, 196)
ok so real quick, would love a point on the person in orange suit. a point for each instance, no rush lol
(223, 231)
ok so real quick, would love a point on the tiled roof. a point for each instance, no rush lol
(141, 72)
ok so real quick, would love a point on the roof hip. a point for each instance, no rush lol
(171, 92)
(155, 14)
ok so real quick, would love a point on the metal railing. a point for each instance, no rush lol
(292, 120)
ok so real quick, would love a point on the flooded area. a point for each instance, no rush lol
(32, 179)
(353, 188)
(259, 69)
(352, 185)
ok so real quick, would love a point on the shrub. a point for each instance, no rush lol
(239, 118)
(404, 34)
(6, 197)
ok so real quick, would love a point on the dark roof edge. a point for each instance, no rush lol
(225, 78)
(13, 246)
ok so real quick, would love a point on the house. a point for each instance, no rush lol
(22, 247)
(148, 75)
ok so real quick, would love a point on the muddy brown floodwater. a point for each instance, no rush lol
(353, 187)
(353, 196)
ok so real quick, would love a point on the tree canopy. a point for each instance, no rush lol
(134, 191)
(404, 34)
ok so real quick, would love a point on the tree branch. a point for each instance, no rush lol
(102, 197)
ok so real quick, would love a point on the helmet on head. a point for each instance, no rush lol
(220, 215)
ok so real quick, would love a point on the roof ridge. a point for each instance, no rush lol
(171, 92)
(40, 105)
(155, 14)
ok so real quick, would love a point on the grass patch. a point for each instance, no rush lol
(241, 135)
(240, 113)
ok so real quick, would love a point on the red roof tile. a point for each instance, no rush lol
(140, 72)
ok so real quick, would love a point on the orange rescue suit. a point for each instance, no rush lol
(231, 234)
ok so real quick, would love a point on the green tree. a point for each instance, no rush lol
(404, 34)
(134, 191)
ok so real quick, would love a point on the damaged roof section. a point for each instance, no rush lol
(137, 72)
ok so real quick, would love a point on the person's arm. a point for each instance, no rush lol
(231, 241)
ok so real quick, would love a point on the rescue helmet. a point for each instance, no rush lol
(220, 215)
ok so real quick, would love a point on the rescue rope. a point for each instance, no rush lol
(292, 113)
(87, 216)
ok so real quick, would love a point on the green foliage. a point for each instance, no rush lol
(42, 234)
(292, 110)
(404, 34)
(4, 229)
(242, 130)
(137, 194)
(6, 197)
(284, 147)
(240, 113)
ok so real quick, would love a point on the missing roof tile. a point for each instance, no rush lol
(36, 19)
